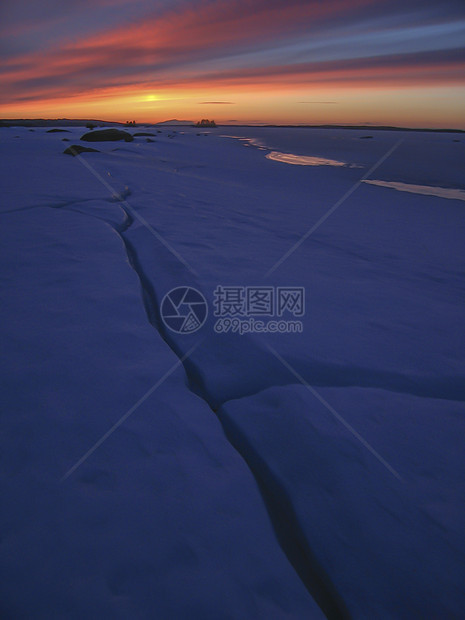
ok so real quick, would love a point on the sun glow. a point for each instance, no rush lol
(283, 62)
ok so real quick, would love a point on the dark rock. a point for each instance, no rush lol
(65, 139)
(77, 149)
(107, 135)
(149, 140)
(58, 131)
(366, 137)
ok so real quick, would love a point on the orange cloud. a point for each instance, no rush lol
(210, 51)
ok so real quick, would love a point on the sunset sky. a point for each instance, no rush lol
(396, 62)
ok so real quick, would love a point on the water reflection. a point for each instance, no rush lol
(290, 158)
(248, 142)
(428, 190)
(303, 160)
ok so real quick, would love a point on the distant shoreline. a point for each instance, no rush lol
(63, 122)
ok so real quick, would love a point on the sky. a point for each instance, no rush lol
(395, 62)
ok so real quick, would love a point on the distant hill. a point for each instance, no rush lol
(175, 121)
(53, 122)
(368, 128)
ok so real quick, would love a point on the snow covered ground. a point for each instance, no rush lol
(150, 474)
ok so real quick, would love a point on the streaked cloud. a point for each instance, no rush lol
(99, 48)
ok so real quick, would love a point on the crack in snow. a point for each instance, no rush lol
(282, 516)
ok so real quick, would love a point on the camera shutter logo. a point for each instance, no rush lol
(184, 310)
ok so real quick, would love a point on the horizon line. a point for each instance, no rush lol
(10, 122)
